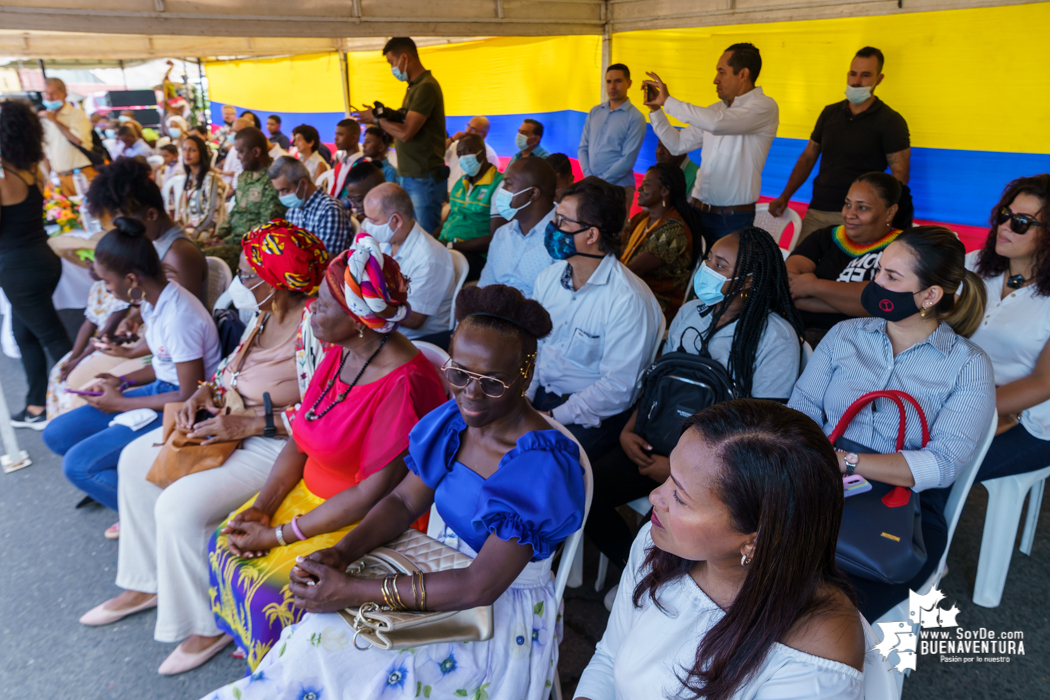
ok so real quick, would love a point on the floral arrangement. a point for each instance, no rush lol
(60, 211)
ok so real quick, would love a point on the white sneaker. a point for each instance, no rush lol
(610, 597)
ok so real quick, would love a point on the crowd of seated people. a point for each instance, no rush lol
(347, 434)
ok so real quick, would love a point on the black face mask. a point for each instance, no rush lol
(892, 306)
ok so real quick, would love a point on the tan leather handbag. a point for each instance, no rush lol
(182, 455)
(384, 628)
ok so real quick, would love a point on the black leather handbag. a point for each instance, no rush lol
(881, 534)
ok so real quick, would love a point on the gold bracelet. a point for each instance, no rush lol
(397, 595)
(423, 588)
(386, 593)
(415, 593)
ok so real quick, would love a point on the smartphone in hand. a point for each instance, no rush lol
(83, 393)
(650, 92)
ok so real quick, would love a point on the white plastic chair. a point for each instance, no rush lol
(324, 180)
(219, 279)
(1005, 499)
(437, 357)
(171, 192)
(776, 225)
(807, 354)
(879, 674)
(952, 511)
(460, 268)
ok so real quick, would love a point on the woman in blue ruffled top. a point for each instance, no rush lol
(509, 488)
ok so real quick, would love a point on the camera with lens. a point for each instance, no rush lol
(381, 111)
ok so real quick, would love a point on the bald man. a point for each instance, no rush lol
(477, 125)
(390, 219)
(517, 254)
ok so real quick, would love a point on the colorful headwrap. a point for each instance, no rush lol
(286, 256)
(369, 285)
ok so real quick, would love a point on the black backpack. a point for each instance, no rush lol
(97, 154)
(675, 387)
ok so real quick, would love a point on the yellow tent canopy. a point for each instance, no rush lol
(128, 29)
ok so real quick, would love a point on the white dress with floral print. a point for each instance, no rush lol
(316, 659)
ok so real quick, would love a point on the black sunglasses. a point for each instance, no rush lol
(1019, 223)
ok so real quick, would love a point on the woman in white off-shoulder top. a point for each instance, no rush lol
(736, 573)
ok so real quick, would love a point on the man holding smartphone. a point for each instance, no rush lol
(735, 134)
(613, 134)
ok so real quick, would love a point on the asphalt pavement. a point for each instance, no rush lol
(57, 565)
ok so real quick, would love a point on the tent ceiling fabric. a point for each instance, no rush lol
(129, 29)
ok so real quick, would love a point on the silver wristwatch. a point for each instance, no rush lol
(850, 459)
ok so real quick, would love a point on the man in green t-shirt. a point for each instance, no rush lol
(468, 227)
(420, 139)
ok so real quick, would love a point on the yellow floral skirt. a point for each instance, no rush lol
(250, 597)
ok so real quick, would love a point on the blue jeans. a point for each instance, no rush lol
(427, 195)
(90, 448)
(714, 226)
(1014, 452)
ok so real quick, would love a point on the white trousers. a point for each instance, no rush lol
(164, 533)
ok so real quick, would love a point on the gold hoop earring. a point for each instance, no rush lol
(132, 300)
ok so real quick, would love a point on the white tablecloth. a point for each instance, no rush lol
(72, 293)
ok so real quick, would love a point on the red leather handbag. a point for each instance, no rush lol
(880, 538)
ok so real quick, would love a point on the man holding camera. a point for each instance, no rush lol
(418, 129)
(736, 133)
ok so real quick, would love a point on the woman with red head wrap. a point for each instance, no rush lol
(164, 533)
(370, 389)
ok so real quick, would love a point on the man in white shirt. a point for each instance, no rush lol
(66, 130)
(735, 133)
(517, 254)
(133, 145)
(477, 125)
(606, 321)
(348, 152)
(390, 219)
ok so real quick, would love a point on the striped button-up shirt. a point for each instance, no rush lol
(949, 376)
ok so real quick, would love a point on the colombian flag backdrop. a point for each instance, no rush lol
(976, 98)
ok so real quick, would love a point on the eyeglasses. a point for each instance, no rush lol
(559, 220)
(242, 275)
(1019, 223)
(490, 386)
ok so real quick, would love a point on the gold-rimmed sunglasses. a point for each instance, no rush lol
(490, 386)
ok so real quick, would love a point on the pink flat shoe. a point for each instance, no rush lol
(179, 661)
(101, 615)
(112, 532)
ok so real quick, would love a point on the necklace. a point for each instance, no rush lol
(855, 250)
(311, 415)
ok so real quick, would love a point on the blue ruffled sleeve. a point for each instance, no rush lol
(433, 443)
(537, 495)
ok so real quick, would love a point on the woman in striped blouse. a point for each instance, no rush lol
(924, 304)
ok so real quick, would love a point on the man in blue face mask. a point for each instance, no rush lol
(67, 134)
(420, 138)
(857, 135)
(309, 206)
(528, 140)
(606, 320)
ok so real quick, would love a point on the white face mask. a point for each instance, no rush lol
(857, 95)
(381, 232)
(242, 296)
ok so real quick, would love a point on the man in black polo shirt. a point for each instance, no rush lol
(420, 137)
(859, 135)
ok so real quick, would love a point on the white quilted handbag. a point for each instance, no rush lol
(385, 628)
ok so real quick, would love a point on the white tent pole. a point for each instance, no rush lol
(606, 51)
(344, 72)
(15, 458)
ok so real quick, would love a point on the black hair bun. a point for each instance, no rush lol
(507, 303)
(132, 228)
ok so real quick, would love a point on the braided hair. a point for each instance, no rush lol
(758, 256)
(672, 177)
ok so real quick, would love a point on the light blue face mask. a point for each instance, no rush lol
(53, 104)
(521, 141)
(111, 133)
(291, 200)
(857, 95)
(174, 132)
(398, 73)
(503, 199)
(708, 285)
(470, 164)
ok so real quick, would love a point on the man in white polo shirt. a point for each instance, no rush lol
(390, 219)
(735, 133)
(606, 320)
